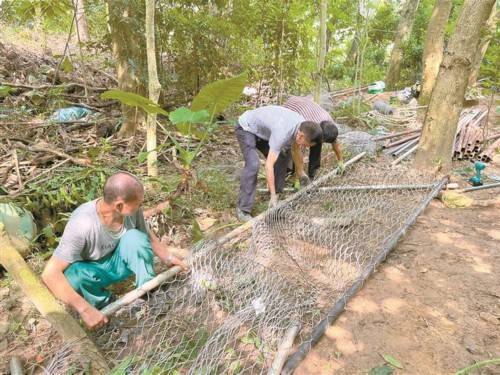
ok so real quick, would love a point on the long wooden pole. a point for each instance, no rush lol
(142, 290)
(69, 330)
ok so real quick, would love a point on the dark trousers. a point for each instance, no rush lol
(249, 144)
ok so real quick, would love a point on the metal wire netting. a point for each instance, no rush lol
(231, 312)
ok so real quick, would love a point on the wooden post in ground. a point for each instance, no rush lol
(69, 330)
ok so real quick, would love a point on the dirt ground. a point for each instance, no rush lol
(434, 305)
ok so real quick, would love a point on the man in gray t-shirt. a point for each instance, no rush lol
(104, 242)
(276, 132)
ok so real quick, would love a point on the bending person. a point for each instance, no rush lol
(274, 131)
(311, 111)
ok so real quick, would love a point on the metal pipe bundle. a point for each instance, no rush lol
(469, 139)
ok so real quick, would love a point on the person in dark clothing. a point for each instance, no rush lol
(311, 111)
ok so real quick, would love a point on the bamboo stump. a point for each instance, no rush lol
(69, 330)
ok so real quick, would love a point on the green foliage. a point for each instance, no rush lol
(134, 100)
(198, 121)
(28, 10)
(381, 370)
(392, 361)
(5, 91)
(66, 65)
(216, 97)
(476, 366)
(122, 368)
(185, 121)
(489, 72)
(52, 200)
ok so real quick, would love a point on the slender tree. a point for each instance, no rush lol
(81, 20)
(433, 50)
(403, 33)
(491, 24)
(154, 87)
(128, 48)
(321, 50)
(438, 134)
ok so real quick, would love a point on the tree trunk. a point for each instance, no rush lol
(81, 20)
(321, 50)
(128, 51)
(439, 131)
(402, 35)
(483, 46)
(433, 50)
(154, 87)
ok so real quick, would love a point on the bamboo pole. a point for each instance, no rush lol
(142, 290)
(284, 349)
(69, 330)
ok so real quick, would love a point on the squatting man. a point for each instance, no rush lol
(105, 241)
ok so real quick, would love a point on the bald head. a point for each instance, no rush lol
(122, 185)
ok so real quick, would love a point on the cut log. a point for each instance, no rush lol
(69, 330)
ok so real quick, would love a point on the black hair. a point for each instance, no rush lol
(330, 131)
(122, 185)
(312, 131)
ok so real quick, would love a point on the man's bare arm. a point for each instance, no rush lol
(53, 277)
(338, 150)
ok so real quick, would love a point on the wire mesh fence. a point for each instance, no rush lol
(230, 314)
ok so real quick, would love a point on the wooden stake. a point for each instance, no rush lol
(69, 330)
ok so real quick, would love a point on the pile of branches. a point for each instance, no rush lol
(36, 143)
(36, 80)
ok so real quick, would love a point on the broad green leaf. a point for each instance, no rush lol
(392, 361)
(134, 100)
(66, 65)
(381, 370)
(219, 95)
(183, 128)
(185, 115)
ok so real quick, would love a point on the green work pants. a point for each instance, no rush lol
(133, 255)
